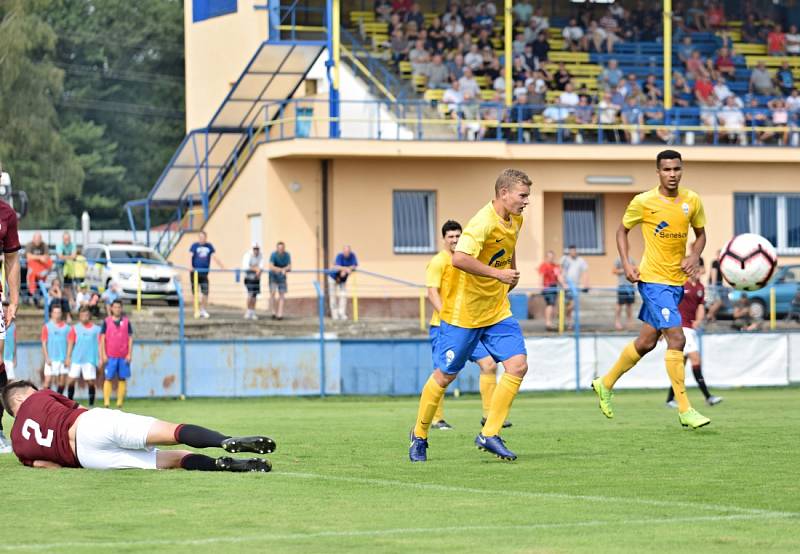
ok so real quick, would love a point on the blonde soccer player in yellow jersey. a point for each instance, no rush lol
(476, 311)
(438, 280)
(665, 214)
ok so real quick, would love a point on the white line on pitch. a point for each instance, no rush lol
(383, 532)
(532, 494)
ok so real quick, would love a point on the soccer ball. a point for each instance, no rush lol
(748, 261)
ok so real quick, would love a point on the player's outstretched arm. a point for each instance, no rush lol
(44, 464)
(467, 263)
(623, 247)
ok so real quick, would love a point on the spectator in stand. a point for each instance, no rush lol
(632, 114)
(484, 19)
(756, 117)
(626, 296)
(452, 14)
(521, 112)
(89, 298)
(202, 254)
(399, 46)
(474, 58)
(575, 275)
(538, 23)
(401, 6)
(724, 64)
(731, 119)
(751, 30)
(522, 11)
(110, 295)
(595, 38)
(610, 25)
(484, 39)
(419, 58)
(784, 78)
(742, 318)
(761, 81)
(704, 90)
(654, 115)
(437, 73)
(280, 263)
(415, 15)
(681, 93)
(453, 27)
(573, 35)
(715, 15)
(722, 92)
(456, 67)
(541, 48)
(696, 67)
(343, 266)
(37, 256)
(252, 265)
(453, 98)
(611, 75)
(696, 17)
(551, 280)
(779, 118)
(651, 88)
(584, 115)
(569, 99)
(468, 84)
(708, 117)
(383, 10)
(436, 30)
(792, 41)
(620, 93)
(776, 42)
(793, 104)
(67, 253)
(537, 88)
(518, 44)
(607, 111)
(561, 77)
(685, 50)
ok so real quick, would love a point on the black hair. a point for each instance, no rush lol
(571, 246)
(667, 155)
(450, 225)
(8, 390)
(117, 301)
(53, 306)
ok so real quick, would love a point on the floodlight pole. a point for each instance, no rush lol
(667, 40)
(508, 27)
(334, 43)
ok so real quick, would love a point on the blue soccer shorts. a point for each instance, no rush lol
(660, 305)
(455, 345)
(479, 353)
(117, 367)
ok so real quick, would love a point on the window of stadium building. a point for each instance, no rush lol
(774, 216)
(414, 221)
(206, 9)
(583, 223)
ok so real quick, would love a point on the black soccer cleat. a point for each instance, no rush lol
(242, 465)
(506, 423)
(259, 445)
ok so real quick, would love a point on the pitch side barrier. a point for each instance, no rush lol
(324, 363)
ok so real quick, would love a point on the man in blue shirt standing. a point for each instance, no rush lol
(344, 264)
(202, 252)
(280, 263)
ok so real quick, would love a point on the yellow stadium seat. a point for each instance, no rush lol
(405, 69)
(773, 61)
(588, 70)
(556, 43)
(734, 23)
(554, 32)
(552, 96)
(359, 16)
(483, 81)
(569, 57)
(376, 27)
(487, 95)
(432, 94)
(419, 82)
(743, 48)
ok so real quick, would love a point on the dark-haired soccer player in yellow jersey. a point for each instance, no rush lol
(476, 310)
(438, 280)
(665, 213)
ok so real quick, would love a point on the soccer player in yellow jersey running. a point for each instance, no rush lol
(665, 213)
(476, 310)
(438, 280)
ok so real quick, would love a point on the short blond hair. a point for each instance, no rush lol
(509, 178)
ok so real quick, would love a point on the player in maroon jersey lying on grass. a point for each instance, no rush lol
(52, 431)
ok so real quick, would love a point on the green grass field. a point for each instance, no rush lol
(342, 482)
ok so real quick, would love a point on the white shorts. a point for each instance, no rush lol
(54, 369)
(87, 371)
(692, 344)
(111, 439)
(10, 370)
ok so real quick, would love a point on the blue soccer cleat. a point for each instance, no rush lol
(495, 445)
(417, 452)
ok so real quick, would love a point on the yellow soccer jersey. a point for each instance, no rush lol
(439, 275)
(474, 301)
(665, 226)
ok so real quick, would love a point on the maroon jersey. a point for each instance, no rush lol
(41, 429)
(694, 294)
(9, 238)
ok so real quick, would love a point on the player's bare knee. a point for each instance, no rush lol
(644, 345)
(443, 379)
(170, 459)
(488, 367)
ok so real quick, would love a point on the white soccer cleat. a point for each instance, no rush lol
(713, 400)
(671, 404)
(5, 447)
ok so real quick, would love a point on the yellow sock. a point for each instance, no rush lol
(106, 393)
(676, 370)
(487, 384)
(122, 387)
(629, 358)
(501, 404)
(432, 393)
(439, 415)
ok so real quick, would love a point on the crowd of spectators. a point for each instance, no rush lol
(459, 52)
